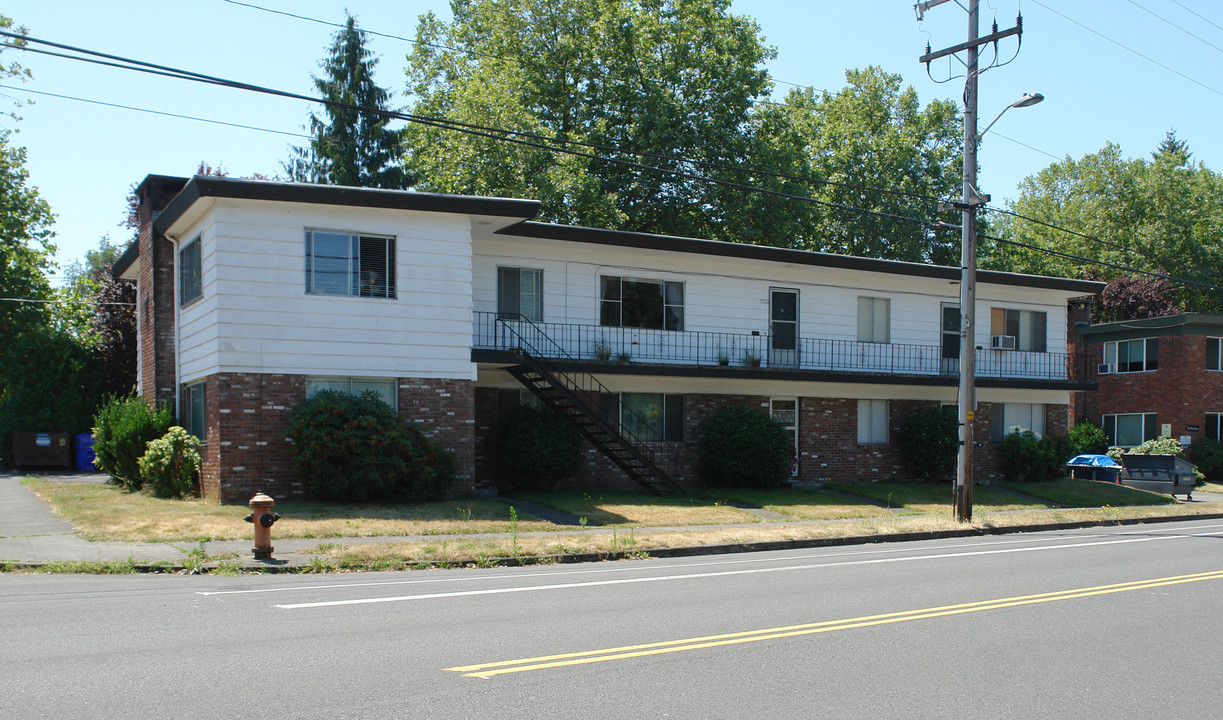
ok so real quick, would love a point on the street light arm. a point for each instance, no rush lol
(1028, 100)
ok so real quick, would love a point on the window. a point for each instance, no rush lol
(785, 411)
(1028, 327)
(339, 263)
(190, 283)
(192, 410)
(1132, 355)
(1130, 429)
(1212, 426)
(385, 388)
(647, 417)
(1213, 354)
(520, 293)
(1008, 418)
(872, 422)
(873, 320)
(631, 302)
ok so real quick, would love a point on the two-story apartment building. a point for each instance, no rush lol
(255, 295)
(1156, 376)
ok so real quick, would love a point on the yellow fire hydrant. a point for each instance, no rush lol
(262, 518)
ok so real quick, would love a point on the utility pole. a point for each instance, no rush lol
(967, 402)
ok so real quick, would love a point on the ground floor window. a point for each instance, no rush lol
(785, 411)
(872, 422)
(385, 388)
(646, 416)
(1130, 429)
(1008, 418)
(1212, 425)
(191, 413)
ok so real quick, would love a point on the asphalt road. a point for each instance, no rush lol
(1102, 623)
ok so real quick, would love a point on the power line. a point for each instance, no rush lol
(497, 134)
(1200, 17)
(1130, 49)
(1178, 27)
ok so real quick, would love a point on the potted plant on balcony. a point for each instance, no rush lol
(723, 357)
(624, 357)
(602, 351)
(751, 357)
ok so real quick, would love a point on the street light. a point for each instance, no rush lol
(966, 412)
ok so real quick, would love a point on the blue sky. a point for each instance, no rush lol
(1088, 62)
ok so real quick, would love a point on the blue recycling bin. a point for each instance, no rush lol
(84, 453)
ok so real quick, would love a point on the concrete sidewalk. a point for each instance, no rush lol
(31, 534)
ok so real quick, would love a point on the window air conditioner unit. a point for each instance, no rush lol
(1104, 368)
(1002, 342)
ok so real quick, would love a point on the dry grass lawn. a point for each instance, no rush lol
(641, 510)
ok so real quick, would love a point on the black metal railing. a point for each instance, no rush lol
(646, 437)
(610, 344)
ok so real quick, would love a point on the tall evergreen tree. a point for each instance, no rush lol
(350, 146)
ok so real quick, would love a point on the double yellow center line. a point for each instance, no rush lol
(488, 670)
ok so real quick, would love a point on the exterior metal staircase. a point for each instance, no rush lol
(574, 395)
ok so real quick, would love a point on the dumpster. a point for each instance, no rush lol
(1159, 473)
(84, 453)
(42, 449)
(1093, 467)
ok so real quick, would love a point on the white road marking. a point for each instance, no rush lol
(725, 573)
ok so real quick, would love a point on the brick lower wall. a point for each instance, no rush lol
(247, 415)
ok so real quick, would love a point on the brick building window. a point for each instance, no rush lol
(648, 416)
(1132, 355)
(520, 293)
(872, 422)
(385, 388)
(1213, 354)
(1028, 327)
(1130, 429)
(1212, 426)
(633, 302)
(190, 277)
(1008, 418)
(340, 263)
(785, 411)
(191, 414)
(874, 322)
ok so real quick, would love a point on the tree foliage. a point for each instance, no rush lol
(1162, 214)
(1127, 298)
(350, 146)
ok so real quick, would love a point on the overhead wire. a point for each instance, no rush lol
(1178, 27)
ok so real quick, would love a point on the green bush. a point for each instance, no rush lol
(745, 448)
(1208, 456)
(1159, 446)
(358, 449)
(1088, 439)
(122, 430)
(170, 466)
(1028, 458)
(930, 442)
(539, 448)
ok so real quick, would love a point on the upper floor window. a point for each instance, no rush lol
(1213, 355)
(1130, 429)
(874, 319)
(340, 263)
(1028, 327)
(520, 293)
(385, 388)
(634, 302)
(1008, 418)
(1131, 355)
(190, 280)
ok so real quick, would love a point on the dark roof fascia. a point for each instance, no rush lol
(507, 358)
(126, 260)
(1180, 324)
(622, 238)
(200, 187)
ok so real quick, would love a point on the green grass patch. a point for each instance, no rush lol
(1088, 493)
(935, 498)
(641, 509)
(798, 503)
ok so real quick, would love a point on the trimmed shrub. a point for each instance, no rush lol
(930, 442)
(1208, 456)
(122, 430)
(539, 448)
(171, 464)
(1088, 439)
(1028, 458)
(745, 448)
(358, 449)
(1159, 446)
